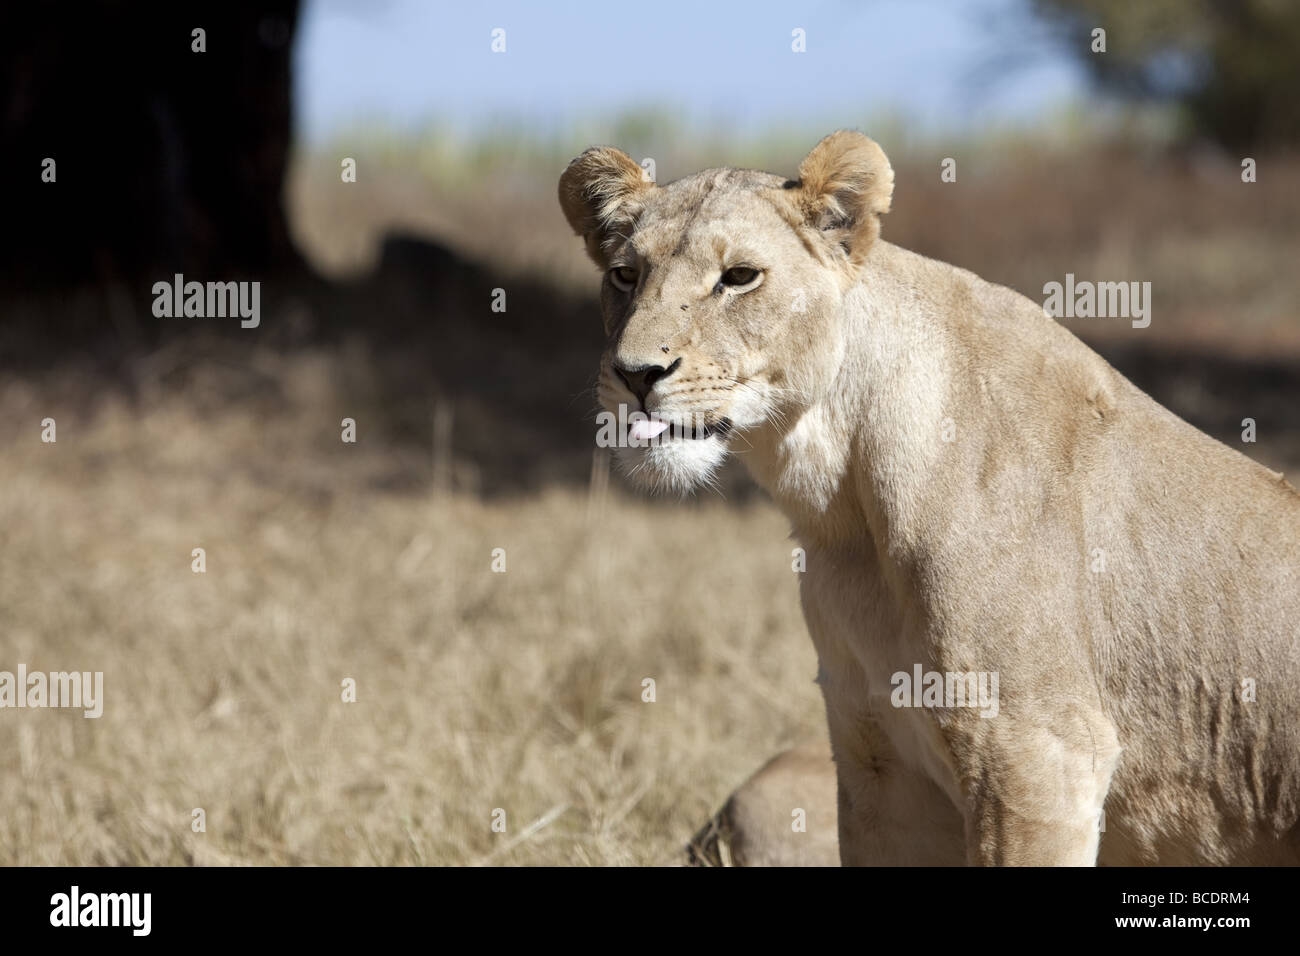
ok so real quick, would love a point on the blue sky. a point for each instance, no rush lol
(939, 64)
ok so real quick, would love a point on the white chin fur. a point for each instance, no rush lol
(677, 466)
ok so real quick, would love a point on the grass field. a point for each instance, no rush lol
(475, 690)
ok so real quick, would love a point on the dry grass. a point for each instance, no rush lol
(476, 690)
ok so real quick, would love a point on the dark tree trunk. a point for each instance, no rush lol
(167, 160)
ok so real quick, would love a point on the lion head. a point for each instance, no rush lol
(721, 295)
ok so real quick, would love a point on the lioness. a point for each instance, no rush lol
(983, 501)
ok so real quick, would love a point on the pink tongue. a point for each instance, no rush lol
(644, 429)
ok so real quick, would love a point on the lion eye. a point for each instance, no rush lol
(623, 277)
(740, 275)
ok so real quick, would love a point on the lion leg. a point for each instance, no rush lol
(798, 811)
(1036, 794)
(889, 813)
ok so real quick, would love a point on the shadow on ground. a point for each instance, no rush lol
(510, 390)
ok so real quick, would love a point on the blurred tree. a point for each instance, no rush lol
(1232, 65)
(166, 159)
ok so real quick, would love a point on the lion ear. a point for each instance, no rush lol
(845, 185)
(601, 192)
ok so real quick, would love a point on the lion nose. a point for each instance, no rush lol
(641, 378)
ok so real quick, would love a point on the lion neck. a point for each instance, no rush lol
(853, 468)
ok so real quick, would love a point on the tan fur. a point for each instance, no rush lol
(758, 827)
(840, 373)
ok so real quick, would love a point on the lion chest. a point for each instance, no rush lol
(864, 637)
